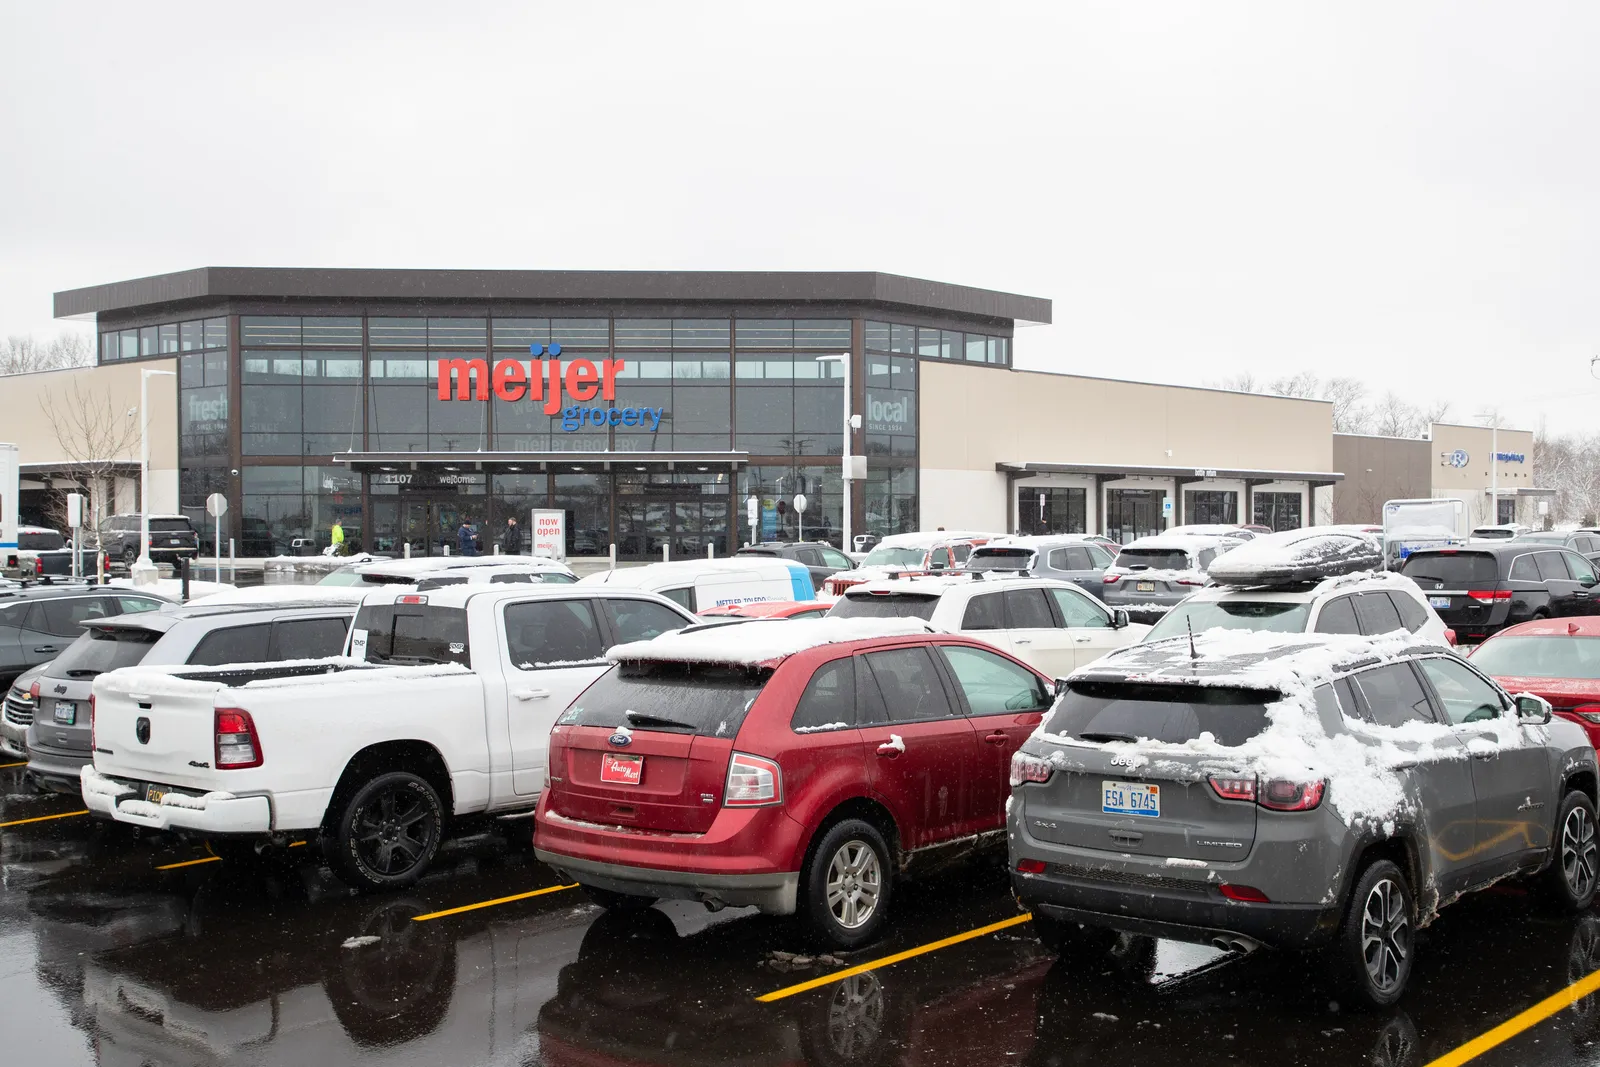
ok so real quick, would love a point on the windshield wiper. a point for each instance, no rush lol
(1426, 578)
(639, 718)
(1105, 737)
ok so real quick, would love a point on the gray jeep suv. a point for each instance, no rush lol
(1293, 791)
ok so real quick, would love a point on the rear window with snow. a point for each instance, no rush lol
(1156, 559)
(687, 698)
(40, 541)
(1277, 616)
(1452, 570)
(883, 606)
(1001, 559)
(99, 651)
(1172, 714)
(411, 633)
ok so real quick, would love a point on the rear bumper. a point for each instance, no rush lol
(57, 769)
(213, 813)
(774, 894)
(748, 857)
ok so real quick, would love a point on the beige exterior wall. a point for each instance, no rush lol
(975, 417)
(115, 388)
(1472, 481)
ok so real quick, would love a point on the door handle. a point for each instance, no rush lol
(530, 694)
(995, 739)
(889, 751)
(1484, 755)
(45, 648)
(1081, 640)
(1022, 640)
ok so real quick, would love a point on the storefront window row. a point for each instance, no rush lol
(166, 339)
(477, 334)
(929, 343)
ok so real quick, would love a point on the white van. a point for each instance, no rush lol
(697, 584)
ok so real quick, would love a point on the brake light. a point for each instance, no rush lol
(1588, 713)
(1190, 581)
(1247, 894)
(411, 598)
(1110, 579)
(1235, 788)
(753, 782)
(1025, 768)
(38, 564)
(1450, 636)
(1489, 596)
(1030, 866)
(237, 747)
(1282, 794)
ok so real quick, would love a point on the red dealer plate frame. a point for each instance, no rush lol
(621, 770)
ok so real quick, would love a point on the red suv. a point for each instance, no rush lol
(794, 766)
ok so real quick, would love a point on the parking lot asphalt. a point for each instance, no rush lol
(124, 950)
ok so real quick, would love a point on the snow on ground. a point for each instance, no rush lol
(172, 588)
(761, 640)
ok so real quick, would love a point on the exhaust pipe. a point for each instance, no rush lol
(713, 902)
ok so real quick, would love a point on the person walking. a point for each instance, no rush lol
(511, 540)
(466, 541)
(336, 538)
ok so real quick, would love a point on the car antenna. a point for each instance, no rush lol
(1189, 622)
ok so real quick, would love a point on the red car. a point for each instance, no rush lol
(1558, 659)
(795, 768)
(772, 609)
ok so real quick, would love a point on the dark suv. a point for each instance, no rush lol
(1586, 542)
(1481, 590)
(818, 557)
(172, 537)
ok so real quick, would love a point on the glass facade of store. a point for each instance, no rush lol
(301, 419)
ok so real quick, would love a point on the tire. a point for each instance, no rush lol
(846, 885)
(1569, 881)
(387, 833)
(1375, 950)
(130, 555)
(621, 903)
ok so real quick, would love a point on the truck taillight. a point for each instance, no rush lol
(38, 564)
(1025, 768)
(237, 747)
(753, 781)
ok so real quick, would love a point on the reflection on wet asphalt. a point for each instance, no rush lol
(105, 960)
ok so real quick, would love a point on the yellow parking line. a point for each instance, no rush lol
(920, 950)
(296, 844)
(492, 903)
(1520, 1022)
(190, 863)
(6, 766)
(43, 818)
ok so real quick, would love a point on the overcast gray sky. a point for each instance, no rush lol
(1405, 193)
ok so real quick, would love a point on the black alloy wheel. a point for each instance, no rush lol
(388, 832)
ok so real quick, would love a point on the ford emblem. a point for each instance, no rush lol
(620, 740)
(141, 730)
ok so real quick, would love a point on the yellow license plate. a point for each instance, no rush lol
(154, 793)
(1147, 587)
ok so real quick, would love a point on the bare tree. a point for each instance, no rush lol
(24, 355)
(96, 436)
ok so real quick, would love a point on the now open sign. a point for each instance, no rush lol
(550, 534)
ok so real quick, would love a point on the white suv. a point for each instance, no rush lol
(1367, 603)
(1053, 626)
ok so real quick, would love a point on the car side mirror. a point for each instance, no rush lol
(1588, 583)
(1532, 710)
(1119, 618)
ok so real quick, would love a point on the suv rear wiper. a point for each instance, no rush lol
(1105, 737)
(639, 718)
(84, 672)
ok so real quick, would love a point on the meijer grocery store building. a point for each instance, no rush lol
(648, 406)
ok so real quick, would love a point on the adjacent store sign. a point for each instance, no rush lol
(583, 381)
(1510, 457)
(549, 533)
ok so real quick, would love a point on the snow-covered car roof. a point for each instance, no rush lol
(38, 529)
(1252, 658)
(1293, 556)
(1034, 541)
(938, 585)
(1215, 529)
(1306, 592)
(457, 596)
(270, 596)
(1182, 542)
(761, 641)
(929, 538)
(406, 568)
(687, 569)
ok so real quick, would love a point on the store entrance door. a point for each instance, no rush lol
(1133, 513)
(686, 512)
(429, 524)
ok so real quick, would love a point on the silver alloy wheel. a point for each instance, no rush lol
(1578, 852)
(855, 1015)
(1385, 934)
(855, 881)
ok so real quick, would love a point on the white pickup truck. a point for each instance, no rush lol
(442, 707)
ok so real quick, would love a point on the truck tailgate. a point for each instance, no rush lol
(151, 727)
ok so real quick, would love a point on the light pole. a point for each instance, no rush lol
(144, 462)
(1494, 466)
(850, 422)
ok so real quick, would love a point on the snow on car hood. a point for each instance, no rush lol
(1358, 763)
(761, 640)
